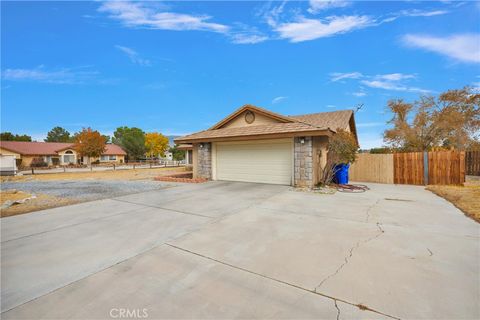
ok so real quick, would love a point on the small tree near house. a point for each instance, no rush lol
(155, 144)
(90, 143)
(342, 148)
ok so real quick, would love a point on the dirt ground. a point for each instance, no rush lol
(42, 201)
(72, 187)
(466, 197)
(130, 175)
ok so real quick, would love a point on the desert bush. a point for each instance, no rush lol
(342, 148)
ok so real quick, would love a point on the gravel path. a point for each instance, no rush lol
(84, 189)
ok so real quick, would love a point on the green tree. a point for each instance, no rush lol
(58, 134)
(8, 136)
(106, 138)
(132, 140)
(177, 154)
(380, 150)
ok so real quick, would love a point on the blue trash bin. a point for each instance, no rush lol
(341, 173)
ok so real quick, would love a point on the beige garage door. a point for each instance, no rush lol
(263, 161)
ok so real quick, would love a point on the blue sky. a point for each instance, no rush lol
(179, 67)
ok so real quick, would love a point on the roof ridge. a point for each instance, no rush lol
(323, 112)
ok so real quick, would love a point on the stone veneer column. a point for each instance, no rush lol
(303, 162)
(205, 160)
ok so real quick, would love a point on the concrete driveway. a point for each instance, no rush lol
(239, 250)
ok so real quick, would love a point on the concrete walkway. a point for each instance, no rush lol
(238, 250)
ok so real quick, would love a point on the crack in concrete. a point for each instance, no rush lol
(370, 208)
(361, 307)
(350, 254)
(430, 252)
(338, 309)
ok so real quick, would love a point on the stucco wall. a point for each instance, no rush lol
(320, 150)
(239, 121)
(7, 152)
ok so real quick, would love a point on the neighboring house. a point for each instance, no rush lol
(168, 156)
(56, 153)
(256, 145)
(188, 148)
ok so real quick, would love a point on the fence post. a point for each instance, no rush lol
(134, 166)
(64, 169)
(150, 165)
(91, 167)
(425, 167)
(114, 167)
(33, 172)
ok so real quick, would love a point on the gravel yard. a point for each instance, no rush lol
(84, 190)
(60, 189)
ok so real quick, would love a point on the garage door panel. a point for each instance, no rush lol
(255, 161)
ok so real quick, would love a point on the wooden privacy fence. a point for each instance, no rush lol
(418, 168)
(372, 168)
(472, 163)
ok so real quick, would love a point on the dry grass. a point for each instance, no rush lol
(465, 198)
(130, 174)
(42, 201)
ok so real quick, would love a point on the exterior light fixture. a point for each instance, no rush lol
(201, 145)
(302, 140)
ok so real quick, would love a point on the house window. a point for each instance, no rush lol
(68, 158)
(108, 158)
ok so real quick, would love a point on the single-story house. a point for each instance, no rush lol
(53, 153)
(256, 145)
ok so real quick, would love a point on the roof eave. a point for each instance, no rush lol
(323, 132)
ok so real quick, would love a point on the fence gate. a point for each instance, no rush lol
(408, 168)
(437, 167)
(472, 163)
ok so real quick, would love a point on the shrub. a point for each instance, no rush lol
(342, 148)
(38, 162)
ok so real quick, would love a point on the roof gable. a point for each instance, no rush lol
(323, 123)
(262, 116)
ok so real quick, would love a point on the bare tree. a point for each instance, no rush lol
(451, 120)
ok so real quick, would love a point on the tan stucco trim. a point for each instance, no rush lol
(263, 136)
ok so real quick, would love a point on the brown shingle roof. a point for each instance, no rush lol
(322, 122)
(50, 148)
(333, 120)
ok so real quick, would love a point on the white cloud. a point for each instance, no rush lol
(395, 76)
(144, 15)
(389, 81)
(319, 5)
(359, 94)
(460, 47)
(309, 29)
(337, 76)
(422, 13)
(60, 76)
(392, 85)
(331, 106)
(278, 99)
(133, 56)
(243, 38)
